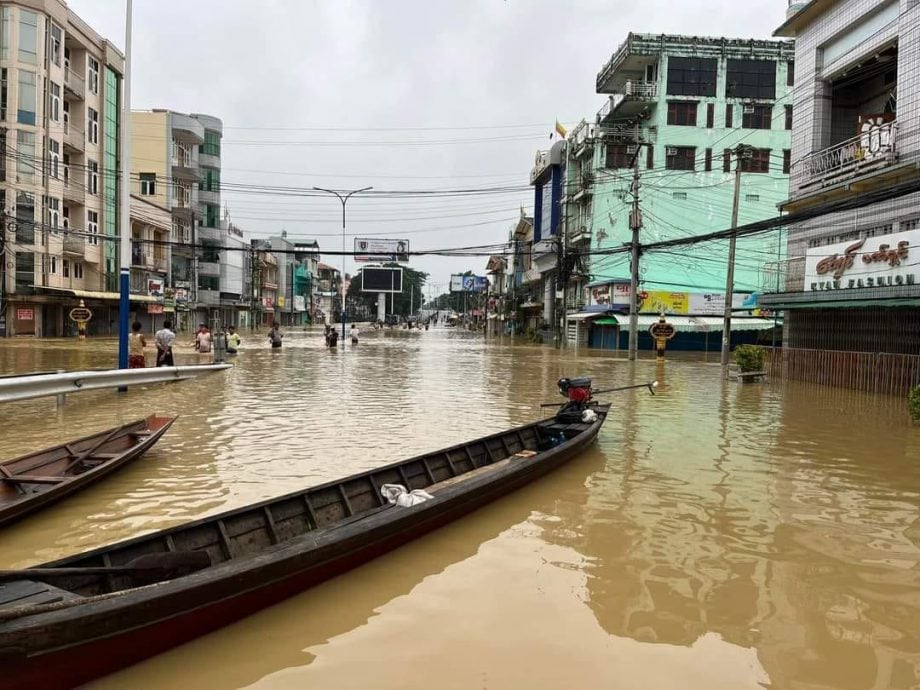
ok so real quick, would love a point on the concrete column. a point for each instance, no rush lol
(549, 300)
(381, 306)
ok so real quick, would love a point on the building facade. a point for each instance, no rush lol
(175, 162)
(150, 230)
(850, 282)
(60, 112)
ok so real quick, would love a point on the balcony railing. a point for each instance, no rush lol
(632, 91)
(786, 275)
(74, 244)
(873, 149)
(74, 193)
(74, 137)
(74, 83)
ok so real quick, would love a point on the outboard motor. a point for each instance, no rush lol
(577, 390)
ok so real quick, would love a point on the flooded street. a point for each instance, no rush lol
(717, 536)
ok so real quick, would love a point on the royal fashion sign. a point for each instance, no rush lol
(883, 261)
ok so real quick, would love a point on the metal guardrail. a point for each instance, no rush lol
(30, 386)
(874, 148)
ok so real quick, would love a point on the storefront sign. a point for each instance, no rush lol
(155, 308)
(25, 314)
(155, 287)
(268, 302)
(869, 262)
(300, 303)
(661, 302)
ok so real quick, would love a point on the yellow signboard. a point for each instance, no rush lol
(280, 302)
(662, 302)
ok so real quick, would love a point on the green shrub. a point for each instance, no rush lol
(913, 404)
(750, 357)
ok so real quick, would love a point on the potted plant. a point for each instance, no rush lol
(913, 405)
(749, 359)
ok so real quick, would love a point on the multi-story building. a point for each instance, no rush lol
(850, 282)
(677, 111)
(175, 161)
(150, 229)
(235, 277)
(327, 296)
(59, 150)
(264, 284)
(295, 261)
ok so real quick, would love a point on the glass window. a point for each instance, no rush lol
(54, 213)
(788, 117)
(25, 115)
(211, 215)
(25, 218)
(790, 73)
(4, 93)
(52, 265)
(25, 272)
(2, 163)
(751, 79)
(708, 163)
(148, 184)
(756, 116)
(54, 158)
(727, 160)
(92, 177)
(211, 145)
(728, 116)
(619, 156)
(680, 158)
(691, 76)
(56, 41)
(92, 126)
(710, 115)
(54, 101)
(4, 33)
(210, 181)
(28, 37)
(787, 161)
(649, 156)
(92, 227)
(682, 113)
(25, 158)
(77, 269)
(92, 73)
(759, 161)
(65, 268)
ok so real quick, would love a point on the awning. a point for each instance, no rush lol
(714, 323)
(582, 315)
(846, 303)
(93, 294)
(606, 321)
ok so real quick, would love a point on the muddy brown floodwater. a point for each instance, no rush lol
(717, 536)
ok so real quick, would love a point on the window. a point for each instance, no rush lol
(54, 213)
(708, 164)
(756, 117)
(728, 116)
(679, 196)
(211, 145)
(787, 161)
(759, 162)
(727, 160)
(66, 214)
(56, 41)
(65, 268)
(4, 93)
(28, 37)
(52, 265)
(680, 158)
(25, 272)
(710, 115)
(682, 113)
(25, 160)
(25, 218)
(66, 161)
(54, 159)
(790, 73)
(54, 101)
(92, 126)
(78, 269)
(2, 163)
(148, 184)
(92, 227)
(649, 156)
(4, 33)
(751, 79)
(92, 177)
(211, 215)
(92, 74)
(752, 197)
(788, 117)
(619, 156)
(210, 181)
(25, 115)
(691, 76)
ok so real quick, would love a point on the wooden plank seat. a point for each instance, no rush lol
(22, 592)
(34, 479)
(479, 471)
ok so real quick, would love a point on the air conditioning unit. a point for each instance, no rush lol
(670, 151)
(748, 110)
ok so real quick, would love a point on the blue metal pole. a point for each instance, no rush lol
(124, 309)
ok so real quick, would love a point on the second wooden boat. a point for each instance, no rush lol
(36, 480)
(69, 621)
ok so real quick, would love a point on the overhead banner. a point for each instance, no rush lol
(870, 262)
(381, 250)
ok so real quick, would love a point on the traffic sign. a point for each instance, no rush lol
(662, 329)
(80, 314)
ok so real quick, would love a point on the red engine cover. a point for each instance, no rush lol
(579, 395)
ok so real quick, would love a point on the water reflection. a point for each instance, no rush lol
(718, 536)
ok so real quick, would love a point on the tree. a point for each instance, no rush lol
(402, 303)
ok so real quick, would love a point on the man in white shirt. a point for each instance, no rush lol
(164, 339)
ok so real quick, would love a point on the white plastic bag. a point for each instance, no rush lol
(398, 494)
(589, 416)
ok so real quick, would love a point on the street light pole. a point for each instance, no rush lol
(344, 199)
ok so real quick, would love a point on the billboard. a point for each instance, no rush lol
(381, 250)
(881, 261)
(381, 280)
(460, 283)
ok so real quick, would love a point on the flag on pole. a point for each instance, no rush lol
(560, 130)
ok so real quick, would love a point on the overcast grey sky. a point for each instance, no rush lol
(495, 73)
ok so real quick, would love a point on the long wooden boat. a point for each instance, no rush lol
(75, 619)
(36, 480)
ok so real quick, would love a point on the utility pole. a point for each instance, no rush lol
(124, 255)
(741, 151)
(635, 224)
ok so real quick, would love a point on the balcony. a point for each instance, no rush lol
(74, 193)
(635, 97)
(74, 84)
(209, 268)
(74, 138)
(269, 285)
(210, 298)
(870, 151)
(206, 233)
(185, 170)
(74, 244)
